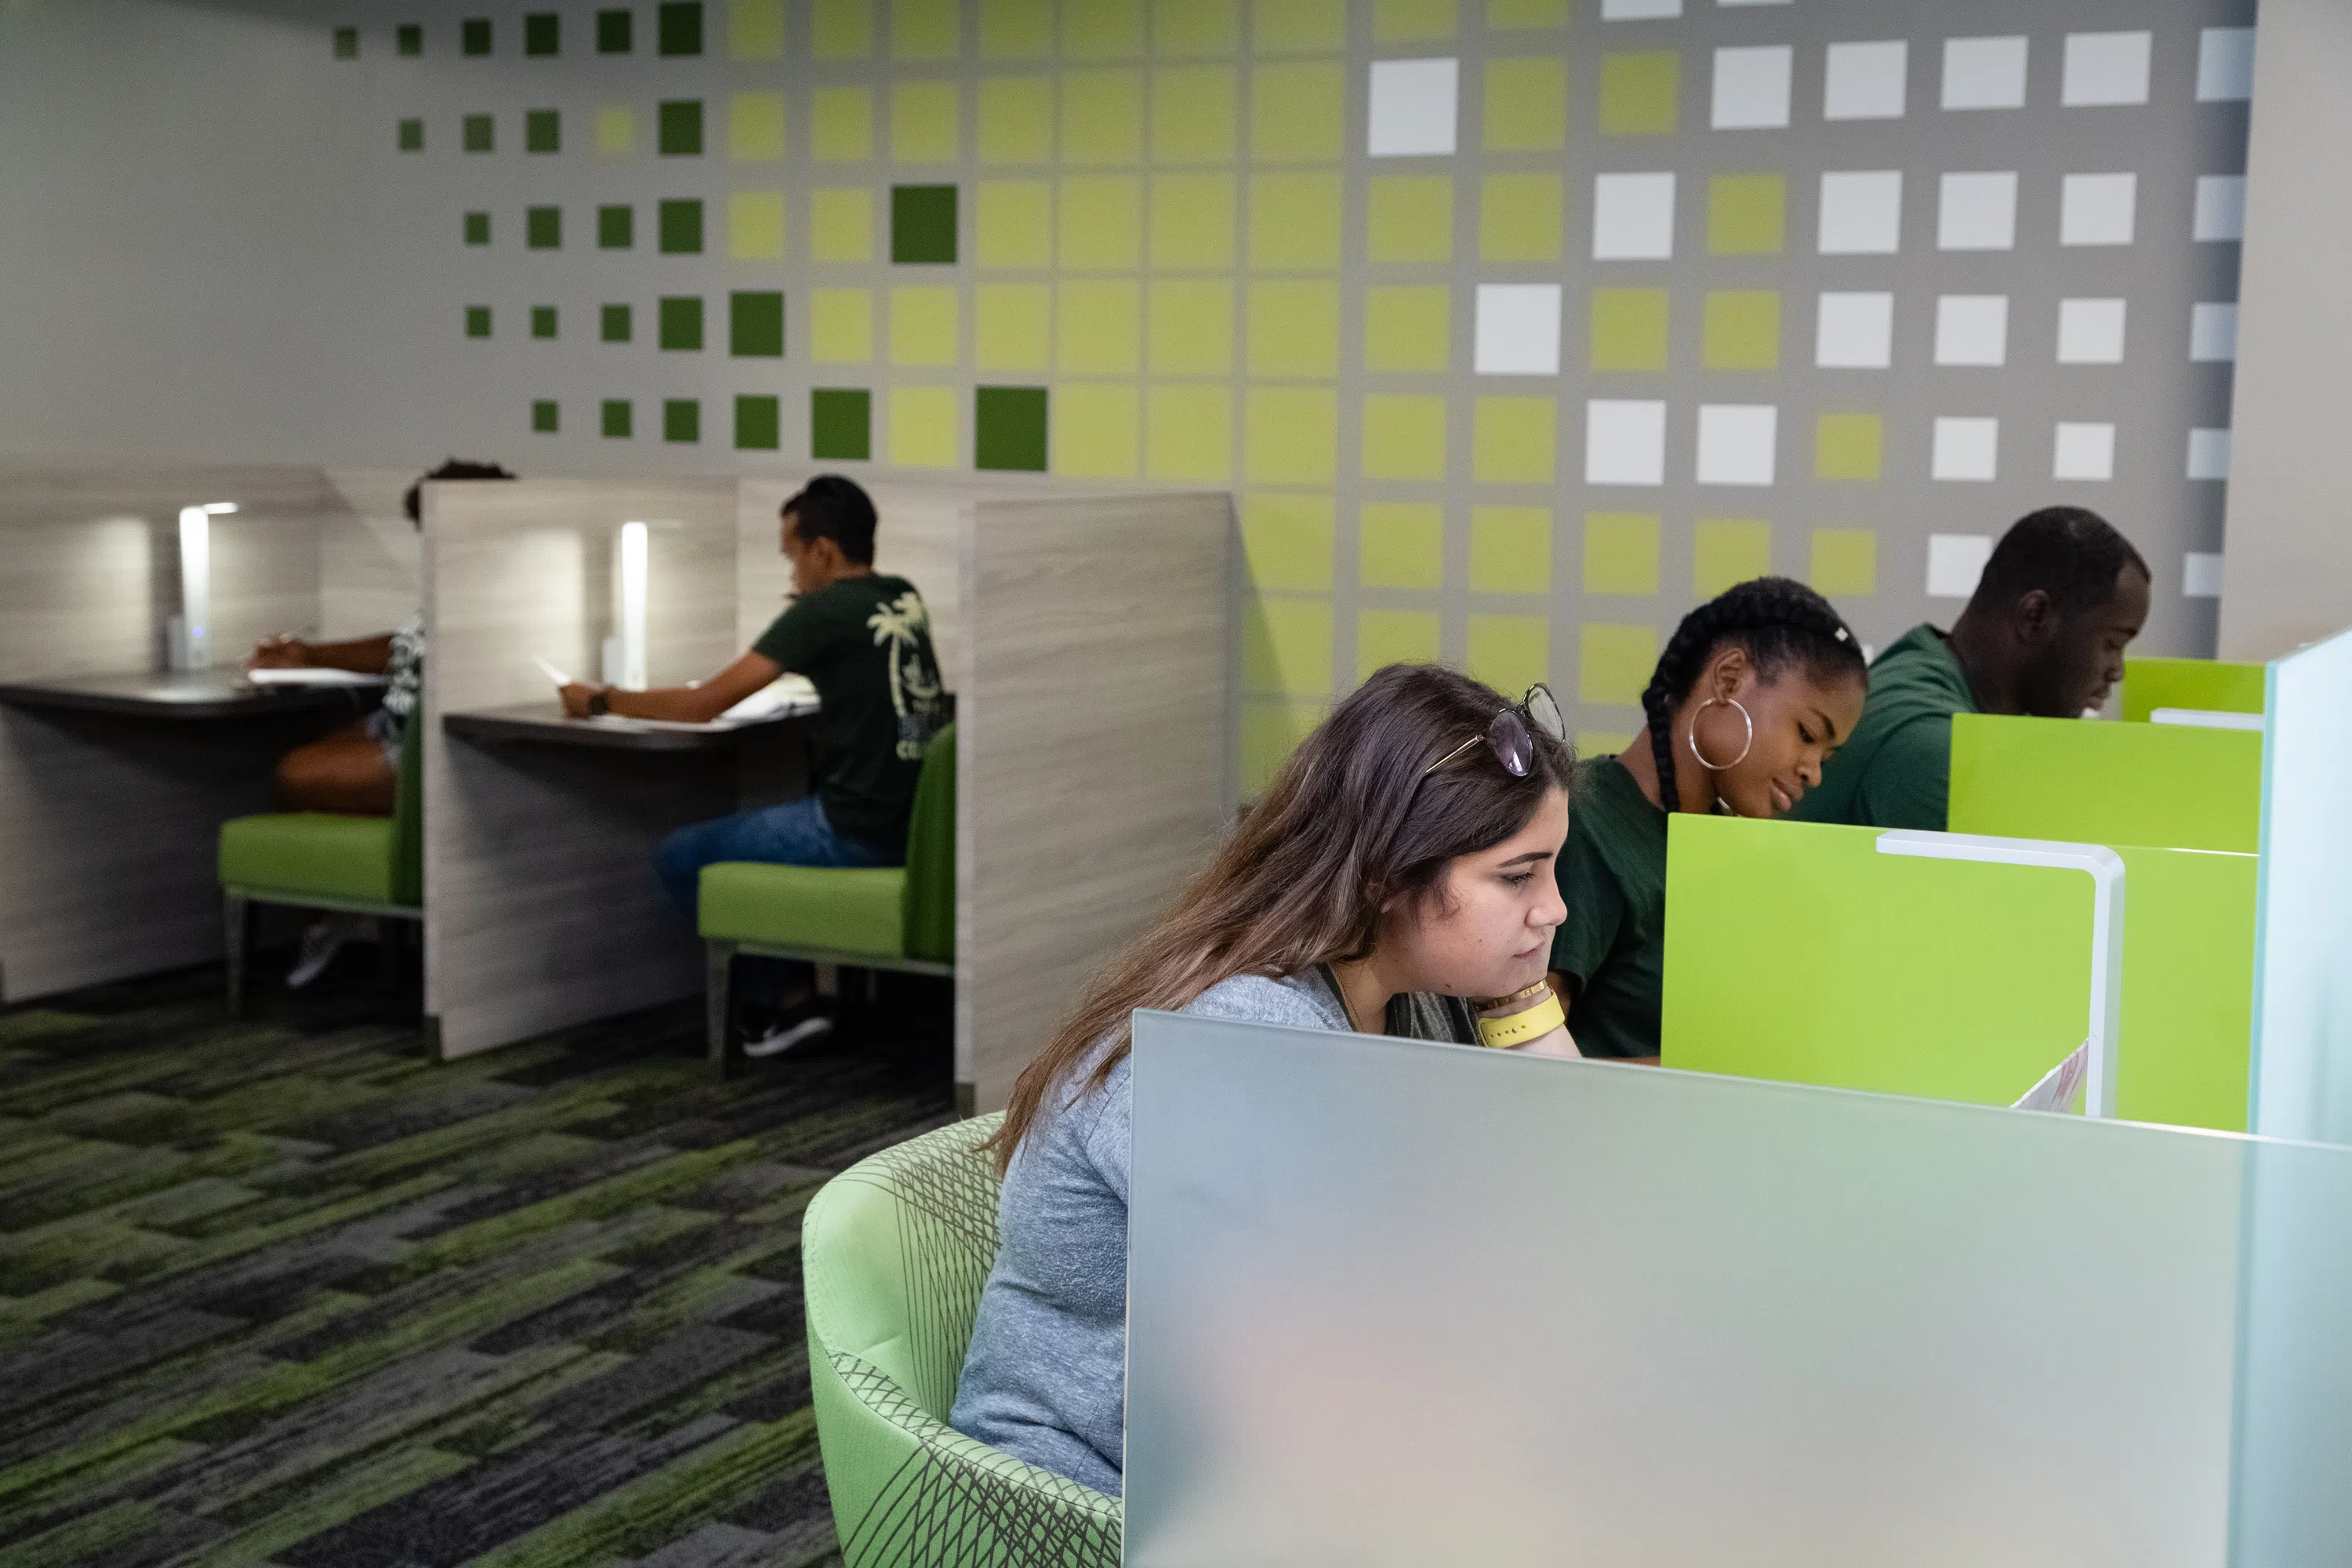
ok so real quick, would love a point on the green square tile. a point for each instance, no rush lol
(1849, 445)
(477, 228)
(615, 34)
(678, 132)
(543, 131)
(619, 416)
(681, 419)
(1395, 637)
(1400, 544)
(755, 323)
(411, 136)
(542, 228)
(480, 134)
(1629, 328)
(1728, 550)
(1746, 214)
(1009, 427)
(1510, 549)
(617, 325)
(542, 33)
(680, 318)
(544, 416)
(1639, 93)
(542, 320)
(474, 35)
(347, 43)
(478, 320)
(1620, 554)
(616, 227)
(678, 27)
(410, 38)
(1614, 662)
(680, 223)
(758, 423)
(1741, 329)
(1845, 562)
(923, 224)
(841, 424)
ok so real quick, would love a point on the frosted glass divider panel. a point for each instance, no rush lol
(2303, 901)
(1392, 1303)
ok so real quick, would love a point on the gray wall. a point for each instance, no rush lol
(2289, 552)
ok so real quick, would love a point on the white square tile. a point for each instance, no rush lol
(2106, 68)
(1639, 10)
(1984, 73)
(2213, 332)
(2225, 64)
(1973, 328)
(1625, 442)
(1751, 88)
(1413, 105)
(1978, 212)
(1518, 329)
(1966, 449)
(2097, 209)
(1633, 218)
(1862, 211)
(2221, 206)
(1855, 332)
(1955, 562)
(2089, 332)
(1735, 443)
(2208, 454)
(2201, 575)
(2084, 452)
(1864, 81)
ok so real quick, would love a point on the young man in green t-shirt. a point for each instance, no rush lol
(865, 641)
(2044, 633)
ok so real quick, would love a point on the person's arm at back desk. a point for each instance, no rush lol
(692, 704)
(361, 656)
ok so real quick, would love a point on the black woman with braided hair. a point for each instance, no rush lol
(1756, 689)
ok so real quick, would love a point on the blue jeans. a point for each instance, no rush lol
(794, 834)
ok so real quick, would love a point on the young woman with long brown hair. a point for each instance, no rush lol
(1396, 879)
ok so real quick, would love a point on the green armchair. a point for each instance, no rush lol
(894, 1253)
(322, 860)
(892, 916)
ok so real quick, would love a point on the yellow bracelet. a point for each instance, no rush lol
(1520, 1028)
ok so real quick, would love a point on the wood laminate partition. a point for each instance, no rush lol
(1087, 636)
(109, 824)
(541, 909)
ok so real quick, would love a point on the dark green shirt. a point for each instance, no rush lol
(865, 642)
(1612, 945)
(1897, 771)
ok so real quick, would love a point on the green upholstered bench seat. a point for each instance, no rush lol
(824, 909)
(311, 852)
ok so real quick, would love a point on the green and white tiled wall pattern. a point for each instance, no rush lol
(1518, 326)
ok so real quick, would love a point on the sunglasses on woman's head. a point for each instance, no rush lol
(1511, 734)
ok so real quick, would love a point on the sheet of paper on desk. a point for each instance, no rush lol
(786, 692)
(2056, 1090)
(313, 675)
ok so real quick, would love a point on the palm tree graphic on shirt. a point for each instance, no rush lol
(900, 625)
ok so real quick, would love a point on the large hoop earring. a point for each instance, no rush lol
(1744, 718)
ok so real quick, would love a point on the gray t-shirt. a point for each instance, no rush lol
(1045, 1378)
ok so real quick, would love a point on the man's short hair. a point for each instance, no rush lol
(830, 507)
(2072, 554)
(454, 469)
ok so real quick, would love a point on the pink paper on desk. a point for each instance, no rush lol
(2056, 1090)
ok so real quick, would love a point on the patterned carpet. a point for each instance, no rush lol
(279, 1291)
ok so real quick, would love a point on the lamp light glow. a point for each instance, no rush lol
(635, 562)
(189, 650)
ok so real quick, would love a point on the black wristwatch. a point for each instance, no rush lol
(600, 702)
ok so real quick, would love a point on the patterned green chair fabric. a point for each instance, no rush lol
(894, 1252)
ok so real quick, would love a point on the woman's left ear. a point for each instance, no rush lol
(1731, 670)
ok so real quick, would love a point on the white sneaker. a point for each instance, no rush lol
(779, 1040)
(321, 939)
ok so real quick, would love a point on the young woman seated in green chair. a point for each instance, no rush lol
(1396, 879)
(1755, 692)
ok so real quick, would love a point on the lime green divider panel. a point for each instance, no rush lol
(2172, 785)
(2188, 987)
(1796, 951)
(2208, 684)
